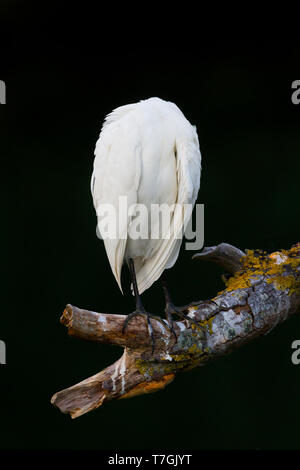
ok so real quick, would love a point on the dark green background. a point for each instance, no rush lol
(62, 79)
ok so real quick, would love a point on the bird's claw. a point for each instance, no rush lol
(172, 310)
(143, 313)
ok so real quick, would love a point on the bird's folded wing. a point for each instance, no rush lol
(115, 182)
(188, 182)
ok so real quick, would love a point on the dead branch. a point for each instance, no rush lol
(262, 291)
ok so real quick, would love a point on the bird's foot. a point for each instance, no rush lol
(143, 313)
(201, 303)
(172, 310)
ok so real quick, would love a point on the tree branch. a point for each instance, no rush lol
(225, 255)
(263, 291)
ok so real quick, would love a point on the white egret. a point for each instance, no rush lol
(149, 153)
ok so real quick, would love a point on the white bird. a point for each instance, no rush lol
(149, 153)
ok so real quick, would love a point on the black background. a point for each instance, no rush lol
(65, 69)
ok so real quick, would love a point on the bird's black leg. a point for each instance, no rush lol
(170, 307)
(139, 309)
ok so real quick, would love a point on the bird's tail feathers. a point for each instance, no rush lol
(115, 250)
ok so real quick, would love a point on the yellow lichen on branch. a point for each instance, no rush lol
(149, 387)
(279, 268)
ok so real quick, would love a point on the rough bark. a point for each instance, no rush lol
(261, 291)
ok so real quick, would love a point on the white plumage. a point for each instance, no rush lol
(149, 152)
